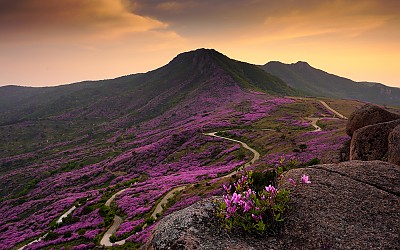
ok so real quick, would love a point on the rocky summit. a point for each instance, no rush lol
(351, 205)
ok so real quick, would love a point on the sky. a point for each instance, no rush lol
(53, 42)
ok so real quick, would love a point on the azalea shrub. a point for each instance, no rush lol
(245, 206)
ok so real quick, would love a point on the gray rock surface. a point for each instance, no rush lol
(198, 227)
(351, 205)
(367, 115)
(394, 146)
(371, 142)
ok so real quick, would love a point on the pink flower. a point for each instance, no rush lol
(236, 197)
(305, 179)
(247, 206)
(249, 192)
(271, 189)
(292, 182)
(227, 200)
(227, 189)
(230, 211)
(256, 217)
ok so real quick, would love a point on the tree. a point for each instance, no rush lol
(302, 147)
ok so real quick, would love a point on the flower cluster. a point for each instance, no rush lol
(252, 210)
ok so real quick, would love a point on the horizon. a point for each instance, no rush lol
(50, 44)
(95, 80)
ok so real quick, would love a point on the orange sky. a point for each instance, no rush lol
(51, 42)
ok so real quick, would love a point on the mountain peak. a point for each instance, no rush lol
(302, 64)
(202, 52)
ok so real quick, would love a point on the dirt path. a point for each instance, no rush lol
(314, 123)
(159, 207)
(105, 241)
(314, 120)
(30, 243)
(65, 214)
(108, 202)
(164, 200)
(334, 111)
(256, 155)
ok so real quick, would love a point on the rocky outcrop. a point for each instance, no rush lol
(351, 205)
(370, 127)
(198, 227)
(394, 146)
(367, 115)
(371, 142)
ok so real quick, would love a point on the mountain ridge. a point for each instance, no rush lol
(319, 83)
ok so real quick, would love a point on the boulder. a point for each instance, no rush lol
(367, 115)
(345, 151)
(371, 142)
(350, 205)
(394, 146)
(198, 227)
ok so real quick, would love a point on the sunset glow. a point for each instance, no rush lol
(48, 42)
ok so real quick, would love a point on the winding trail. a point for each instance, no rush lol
(256, 155)
(30, 243)
(314, 123)
(332, 110)
(105, 241)
(65, 215)
(314, 120)
(159, 207)
(59, 220)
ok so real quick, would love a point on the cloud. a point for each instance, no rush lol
(285, 18)
(87, 19)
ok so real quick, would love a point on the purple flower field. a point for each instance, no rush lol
(161, 153)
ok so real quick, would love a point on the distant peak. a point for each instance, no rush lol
(203, 53)
(303, 63)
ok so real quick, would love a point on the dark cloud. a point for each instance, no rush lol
(190, 17)
(21, 19)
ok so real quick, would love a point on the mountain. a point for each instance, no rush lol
(101, 153)
(182, 75)
(187, 85)
(315, 82)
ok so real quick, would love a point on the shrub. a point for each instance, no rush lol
(149, 220)
(252, 209)
(113, 238)
(51, 236)
(313, 161)
(302, 147)
(81, 231)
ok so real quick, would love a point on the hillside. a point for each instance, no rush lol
(107, 155)
(84, 108)
(183, 74)
(315, 82)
